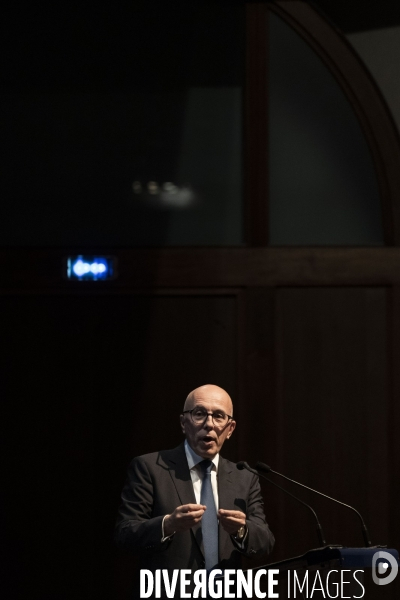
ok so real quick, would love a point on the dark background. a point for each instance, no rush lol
(91, 376)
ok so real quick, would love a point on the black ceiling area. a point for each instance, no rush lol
(357, 15)
(49, 41)
(102, 46)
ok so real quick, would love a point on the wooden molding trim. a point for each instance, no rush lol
(256, 209)
(394, 413)
(41, 269)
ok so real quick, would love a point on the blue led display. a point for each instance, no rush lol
(92, 268)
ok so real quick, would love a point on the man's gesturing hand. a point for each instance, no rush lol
(231, 520)
(183, 518)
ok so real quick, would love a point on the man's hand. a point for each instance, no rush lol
(183, 518)
(231, 520)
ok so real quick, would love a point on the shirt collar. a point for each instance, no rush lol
(194, 459)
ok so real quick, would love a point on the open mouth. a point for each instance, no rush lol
(208, 438)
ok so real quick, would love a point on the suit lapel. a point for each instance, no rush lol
(226, 497)
(180, 475)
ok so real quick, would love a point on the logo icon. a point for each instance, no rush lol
(381, 561)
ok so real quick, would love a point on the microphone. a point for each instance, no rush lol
(243, 465)
(263, 467)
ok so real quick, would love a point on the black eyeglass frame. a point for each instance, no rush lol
(230, 417)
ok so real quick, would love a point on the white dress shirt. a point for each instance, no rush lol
(193, 460)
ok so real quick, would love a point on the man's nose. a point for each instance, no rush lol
(209, 423)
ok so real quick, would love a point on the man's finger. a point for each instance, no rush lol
(232, 513)
(192, 515)
(232, 520)
(196, 520)
(186, 508)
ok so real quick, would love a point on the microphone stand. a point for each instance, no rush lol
(263, 467)
(243, 465)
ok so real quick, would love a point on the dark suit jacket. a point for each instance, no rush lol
(159, 482)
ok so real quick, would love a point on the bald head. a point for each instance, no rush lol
(205, 437)
(209, 392)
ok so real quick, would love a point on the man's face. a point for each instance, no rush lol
(206, 439)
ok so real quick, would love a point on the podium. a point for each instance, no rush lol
(332, 557)
(342, 570)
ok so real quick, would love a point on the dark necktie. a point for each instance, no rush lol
(209, 521)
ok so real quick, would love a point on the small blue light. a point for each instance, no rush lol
(90, 267)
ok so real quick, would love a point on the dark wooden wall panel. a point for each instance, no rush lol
(88, 383)
(332, 417)
(257, 371)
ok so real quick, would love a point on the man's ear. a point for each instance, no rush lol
(182, 420)
(232, 426)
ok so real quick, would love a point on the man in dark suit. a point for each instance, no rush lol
(189, 508)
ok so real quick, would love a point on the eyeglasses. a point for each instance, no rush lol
(199, 416)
